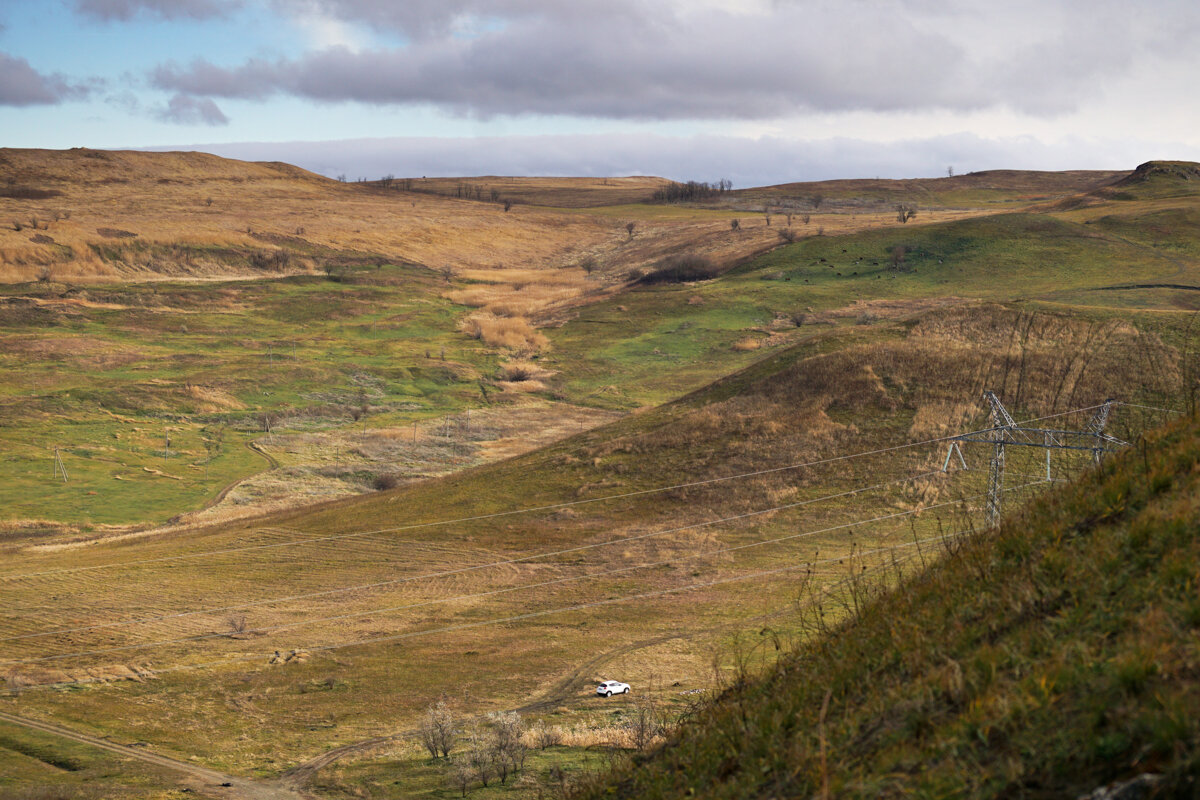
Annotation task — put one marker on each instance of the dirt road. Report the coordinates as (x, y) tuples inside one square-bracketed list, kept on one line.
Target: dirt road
[(205, 782)]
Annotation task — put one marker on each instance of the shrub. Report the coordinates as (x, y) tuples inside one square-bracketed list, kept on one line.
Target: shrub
[(385, 481), (681, 269), (511, 332)]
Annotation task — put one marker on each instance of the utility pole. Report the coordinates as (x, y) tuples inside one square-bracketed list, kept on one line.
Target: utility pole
[(1005, 432), (58, 466)]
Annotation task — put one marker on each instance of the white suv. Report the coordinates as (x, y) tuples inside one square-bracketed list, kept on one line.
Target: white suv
[(609, 688)]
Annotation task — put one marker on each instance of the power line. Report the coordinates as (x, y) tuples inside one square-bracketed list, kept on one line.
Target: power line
[(558, 581), (532, 614), (1150, 408), (529, 510), (446, 573)]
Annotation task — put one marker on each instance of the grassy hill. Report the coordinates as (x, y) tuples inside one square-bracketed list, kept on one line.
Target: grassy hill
[(998, 189), (1045, 659), (644, 555)]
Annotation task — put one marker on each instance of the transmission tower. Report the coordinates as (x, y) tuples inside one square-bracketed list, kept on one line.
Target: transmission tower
[(1005, 432)]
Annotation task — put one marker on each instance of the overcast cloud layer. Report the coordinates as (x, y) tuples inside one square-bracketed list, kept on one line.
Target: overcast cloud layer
[(664, 61), (755, 90)]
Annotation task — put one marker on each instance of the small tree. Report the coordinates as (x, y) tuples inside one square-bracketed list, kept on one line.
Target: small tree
[(507, 749), (589, 265), (646, 725), (479, 758), (629, 228), (816, 201), (735, 225), (508, 205), (545, 736), (461, 776), (436, 730), (904, 212)]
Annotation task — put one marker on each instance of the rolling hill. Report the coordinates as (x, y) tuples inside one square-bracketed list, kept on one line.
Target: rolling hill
[(500, 475)]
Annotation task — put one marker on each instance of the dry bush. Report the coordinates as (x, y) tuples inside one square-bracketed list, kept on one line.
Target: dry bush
[(748, 343), (543, 736), (512, 332), (599, 736), (513, 300), (517, 371), (387, 480)]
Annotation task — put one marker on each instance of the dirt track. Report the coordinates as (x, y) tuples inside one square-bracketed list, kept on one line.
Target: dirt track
[(207, 782)]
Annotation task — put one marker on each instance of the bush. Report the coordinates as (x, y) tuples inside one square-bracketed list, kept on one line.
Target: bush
[(511, 332), (385, 481), (681, 269)]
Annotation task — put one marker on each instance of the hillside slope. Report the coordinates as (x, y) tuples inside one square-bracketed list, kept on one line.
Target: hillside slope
[(1052, 657)]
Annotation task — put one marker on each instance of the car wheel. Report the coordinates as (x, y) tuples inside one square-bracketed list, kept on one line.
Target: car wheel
[(608, 694), (626, 690)]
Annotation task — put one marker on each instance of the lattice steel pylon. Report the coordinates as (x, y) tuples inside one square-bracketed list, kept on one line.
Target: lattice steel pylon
[(1005, 432)]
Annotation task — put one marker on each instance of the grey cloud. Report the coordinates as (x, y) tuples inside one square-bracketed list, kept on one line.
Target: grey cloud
[(746, 161), (187, 110), (122, 10), (626, 60), (22, 85), (427, 18)]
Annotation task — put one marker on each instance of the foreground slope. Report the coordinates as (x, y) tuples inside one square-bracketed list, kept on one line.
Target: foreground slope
[(1045, 659)]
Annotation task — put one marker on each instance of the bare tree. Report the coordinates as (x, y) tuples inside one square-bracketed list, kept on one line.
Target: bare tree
[(479, 758), (507, 749), (508, 204), (462, 775), (629, 228), (545, 736), (646, 725), (816, 201), (437, 730), (735, 225), (905, 212)]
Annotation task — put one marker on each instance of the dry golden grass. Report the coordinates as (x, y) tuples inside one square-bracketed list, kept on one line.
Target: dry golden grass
[(164, 199), (746, 344), (512, 333)]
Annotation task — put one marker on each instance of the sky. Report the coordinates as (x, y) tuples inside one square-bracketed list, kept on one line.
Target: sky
[(755, 91)]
